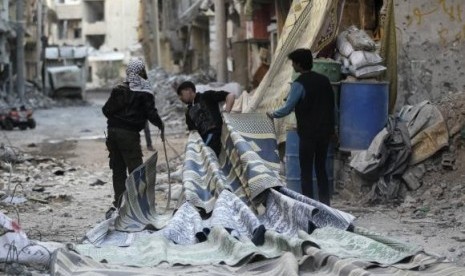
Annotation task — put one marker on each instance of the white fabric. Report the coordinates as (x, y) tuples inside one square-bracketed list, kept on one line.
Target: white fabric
[(136, 82), (16, 247)]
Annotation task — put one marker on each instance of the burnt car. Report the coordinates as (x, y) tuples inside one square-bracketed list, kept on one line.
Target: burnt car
[(17, 117)]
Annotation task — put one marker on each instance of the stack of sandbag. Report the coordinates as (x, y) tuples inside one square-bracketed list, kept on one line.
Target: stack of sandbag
[(357, 54)]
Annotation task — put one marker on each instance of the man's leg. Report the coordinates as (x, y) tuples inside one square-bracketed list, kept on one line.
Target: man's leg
[(131, 150), (117, 165), (306, 155), (320, 170), (214, 142)]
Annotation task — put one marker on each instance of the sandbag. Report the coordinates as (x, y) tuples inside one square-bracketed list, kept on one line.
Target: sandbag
[(343, 45), (360, 59), (367, 71), (360, 40)]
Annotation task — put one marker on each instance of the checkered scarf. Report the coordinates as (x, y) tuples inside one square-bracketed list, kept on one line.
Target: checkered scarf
[(136, 82)]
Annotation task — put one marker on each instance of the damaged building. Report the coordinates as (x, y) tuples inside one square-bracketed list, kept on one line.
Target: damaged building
[(98, 25), (29, 41)]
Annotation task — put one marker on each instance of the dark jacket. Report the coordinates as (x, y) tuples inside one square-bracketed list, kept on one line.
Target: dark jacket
[(130, 110), (205, 115), (315, 112)]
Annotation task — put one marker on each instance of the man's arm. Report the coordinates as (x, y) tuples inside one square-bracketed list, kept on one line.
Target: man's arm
[(114, 102), (190, 124), (222, 96), (293, 98), (152, 112), (229, 102)]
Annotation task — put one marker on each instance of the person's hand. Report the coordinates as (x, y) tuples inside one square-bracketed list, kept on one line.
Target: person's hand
[(162, 132), (270, 115)]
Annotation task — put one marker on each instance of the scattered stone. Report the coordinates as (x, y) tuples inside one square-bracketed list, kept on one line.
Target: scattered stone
[(60, 198), (8, 154), (32, 145), (451, 249), (457, 188), (448, 161), (459, 239), (59, 172), (38, 189), (66, 215), (98, 182), (38, 200)]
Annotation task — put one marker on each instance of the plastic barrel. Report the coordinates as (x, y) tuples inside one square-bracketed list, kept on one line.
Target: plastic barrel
[(336, 89), (293, 164), (363, 113)]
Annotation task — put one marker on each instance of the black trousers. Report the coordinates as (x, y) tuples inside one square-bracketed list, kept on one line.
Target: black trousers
[(125, 155), (313, 151), (213, 140), (148, 139)]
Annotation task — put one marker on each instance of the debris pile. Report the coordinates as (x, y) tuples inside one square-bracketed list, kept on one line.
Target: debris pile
[(38, 179), (434, 171), (34, 96)]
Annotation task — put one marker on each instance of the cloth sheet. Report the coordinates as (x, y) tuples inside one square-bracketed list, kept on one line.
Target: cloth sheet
[(237, 217), (309, 24)]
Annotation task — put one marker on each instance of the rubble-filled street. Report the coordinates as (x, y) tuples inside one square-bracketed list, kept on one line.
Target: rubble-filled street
[(232, 137), (60, 170)]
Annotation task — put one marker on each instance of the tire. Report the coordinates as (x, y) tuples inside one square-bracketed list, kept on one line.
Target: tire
[(8, 124), (22, 126), (31, 123)]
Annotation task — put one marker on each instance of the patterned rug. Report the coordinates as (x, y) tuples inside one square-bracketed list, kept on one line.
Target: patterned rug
[(237, 218), (310, 24)]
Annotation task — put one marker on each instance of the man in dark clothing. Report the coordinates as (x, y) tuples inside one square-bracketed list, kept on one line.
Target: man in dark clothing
[(312, 98), (203, 112), (128, 108)]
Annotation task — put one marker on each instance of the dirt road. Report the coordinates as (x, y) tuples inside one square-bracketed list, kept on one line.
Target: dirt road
[(74, 189)]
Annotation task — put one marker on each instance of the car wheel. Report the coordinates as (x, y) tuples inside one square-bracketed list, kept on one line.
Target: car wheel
[(8, 124), (32, 123)]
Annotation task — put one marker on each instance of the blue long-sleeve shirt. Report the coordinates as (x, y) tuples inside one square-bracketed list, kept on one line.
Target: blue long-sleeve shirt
[(297, 92)]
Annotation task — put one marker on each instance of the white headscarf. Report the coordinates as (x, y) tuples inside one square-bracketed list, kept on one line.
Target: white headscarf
[(136, 82)]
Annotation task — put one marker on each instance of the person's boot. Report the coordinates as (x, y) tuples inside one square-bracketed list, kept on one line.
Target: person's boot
[(110, 212)]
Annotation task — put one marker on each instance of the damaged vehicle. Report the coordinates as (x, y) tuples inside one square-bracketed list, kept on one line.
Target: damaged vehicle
[(65, 71), (17, 117)]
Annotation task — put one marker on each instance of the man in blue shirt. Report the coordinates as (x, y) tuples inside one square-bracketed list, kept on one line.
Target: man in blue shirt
[(312, 98)]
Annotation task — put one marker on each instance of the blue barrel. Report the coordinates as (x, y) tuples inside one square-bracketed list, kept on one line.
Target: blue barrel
[(293, 164), (363, 113)]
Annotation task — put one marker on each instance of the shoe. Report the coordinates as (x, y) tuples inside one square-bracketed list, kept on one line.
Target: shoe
[(110, 212)]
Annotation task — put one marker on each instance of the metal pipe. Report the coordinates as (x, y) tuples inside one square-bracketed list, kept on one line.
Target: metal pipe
[(220, 23)]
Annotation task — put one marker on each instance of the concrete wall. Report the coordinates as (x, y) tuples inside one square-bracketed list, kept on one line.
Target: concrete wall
[(431, 49), (121, 18)]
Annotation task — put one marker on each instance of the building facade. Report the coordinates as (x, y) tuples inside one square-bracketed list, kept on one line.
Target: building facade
[(109, 28)]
